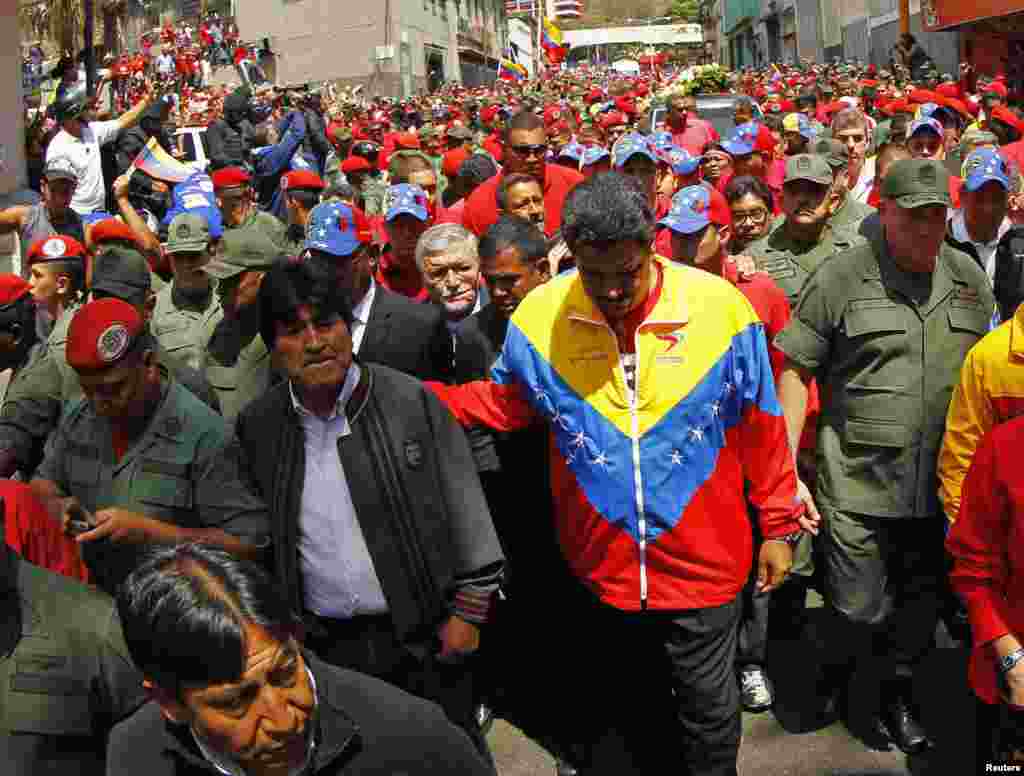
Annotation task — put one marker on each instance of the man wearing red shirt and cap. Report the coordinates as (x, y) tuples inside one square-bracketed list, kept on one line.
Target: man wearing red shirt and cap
[(525, 152), (301, 192), (407, 218)]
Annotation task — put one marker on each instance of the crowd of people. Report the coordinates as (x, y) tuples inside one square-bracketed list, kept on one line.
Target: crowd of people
[(511, 398)]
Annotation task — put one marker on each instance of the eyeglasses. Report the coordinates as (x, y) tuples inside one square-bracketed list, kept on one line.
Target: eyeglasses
[(755, 217), (527, 151)]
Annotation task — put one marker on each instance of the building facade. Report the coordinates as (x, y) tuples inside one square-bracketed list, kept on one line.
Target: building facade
[(394, 48)]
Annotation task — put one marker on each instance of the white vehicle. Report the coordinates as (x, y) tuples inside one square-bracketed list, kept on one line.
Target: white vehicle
[(192, 142)]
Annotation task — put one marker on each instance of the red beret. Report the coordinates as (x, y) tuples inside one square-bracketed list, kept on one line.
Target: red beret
[(948, 89), (112, 229), (355, 164), (921, 96), (12, 288), (230, 178), (101, 333), (487, 114), (787, 106), (996, 87), (301, 179), (613, 119), (452, 161), (626, 105), (1007, 116), (56, 248), (407, 140)]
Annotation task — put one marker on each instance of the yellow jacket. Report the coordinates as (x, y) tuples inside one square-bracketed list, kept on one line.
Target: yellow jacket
[(990, 392)]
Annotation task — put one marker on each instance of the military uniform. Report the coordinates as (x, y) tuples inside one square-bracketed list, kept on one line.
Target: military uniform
[(69, 677), (850, 215), (790, 263), (374, 193), (267, 225), (182, 470), (886, 346)]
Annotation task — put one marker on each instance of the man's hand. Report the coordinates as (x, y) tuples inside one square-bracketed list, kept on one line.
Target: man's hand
[(773, 565), (120, 187), (1014, 694), (458, 639), (248, 290), (120, 525), (810, 520), (746, 266)]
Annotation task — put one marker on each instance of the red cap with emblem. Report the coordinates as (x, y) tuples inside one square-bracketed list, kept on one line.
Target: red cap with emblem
[(55, 248), (302, 179), (12, 288), (355, 164), (102, 333), (230, 178), (112, 230)]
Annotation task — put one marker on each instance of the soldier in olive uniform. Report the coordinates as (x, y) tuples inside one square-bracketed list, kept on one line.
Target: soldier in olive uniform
[(237, 202), (849, 213), (65, 674), (884, 327), (301, 190), (237, 362), (803, 239), (187, 307), (142, 459)]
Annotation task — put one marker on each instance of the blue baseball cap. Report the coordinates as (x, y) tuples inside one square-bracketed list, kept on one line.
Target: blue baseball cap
[(630, 145), (922, 124), (691, 210), (337, 229), (983, 165), (742, 141), (681, 161), (407, 198), (594, 154), (662, 141), (571, 151)]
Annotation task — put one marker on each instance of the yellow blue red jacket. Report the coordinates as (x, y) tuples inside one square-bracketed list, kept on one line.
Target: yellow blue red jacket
[(650, 486), (990, 392)]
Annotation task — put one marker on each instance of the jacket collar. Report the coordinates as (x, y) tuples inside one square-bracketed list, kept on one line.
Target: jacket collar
[(336, 731), (356, 401), (670, 308)]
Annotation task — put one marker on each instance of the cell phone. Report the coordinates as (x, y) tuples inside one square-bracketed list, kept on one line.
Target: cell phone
[(81, 520)]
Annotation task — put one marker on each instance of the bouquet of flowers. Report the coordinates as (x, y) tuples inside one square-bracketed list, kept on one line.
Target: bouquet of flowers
[(705, 79)]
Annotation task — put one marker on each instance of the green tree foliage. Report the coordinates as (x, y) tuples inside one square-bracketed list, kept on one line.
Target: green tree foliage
[(686, 10)]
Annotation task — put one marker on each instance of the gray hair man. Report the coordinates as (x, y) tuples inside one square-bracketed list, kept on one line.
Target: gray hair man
[(447, 258)]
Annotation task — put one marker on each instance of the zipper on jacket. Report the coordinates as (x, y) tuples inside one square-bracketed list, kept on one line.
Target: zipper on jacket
[(638, 486)]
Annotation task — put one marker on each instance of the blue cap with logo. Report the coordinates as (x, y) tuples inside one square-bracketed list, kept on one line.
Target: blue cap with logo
[(594, 154), (983, 165), (630, 145), (690, 212), (662, 141), (337, 229), (407, 198), (742, 141), (571, 151), (681, 161), (924, 125)]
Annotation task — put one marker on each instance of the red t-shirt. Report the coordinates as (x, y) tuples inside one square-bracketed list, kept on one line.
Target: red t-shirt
[(482, 204), (390, 276)]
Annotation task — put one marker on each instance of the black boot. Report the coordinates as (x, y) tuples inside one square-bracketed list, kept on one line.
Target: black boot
[(906, 732)]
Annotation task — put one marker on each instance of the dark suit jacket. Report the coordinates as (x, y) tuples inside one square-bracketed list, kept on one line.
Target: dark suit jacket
[(407, 336)]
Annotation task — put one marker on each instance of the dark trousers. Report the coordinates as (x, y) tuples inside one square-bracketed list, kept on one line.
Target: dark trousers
[(884, 586), (752, 640), (369, 645), (657, 691)]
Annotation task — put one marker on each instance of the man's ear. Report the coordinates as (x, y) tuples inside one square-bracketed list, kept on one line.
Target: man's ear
[(149, 305), (544, 268), (172, 709)]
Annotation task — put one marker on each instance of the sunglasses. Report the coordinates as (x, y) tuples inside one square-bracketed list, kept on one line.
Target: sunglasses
[(530, 150)]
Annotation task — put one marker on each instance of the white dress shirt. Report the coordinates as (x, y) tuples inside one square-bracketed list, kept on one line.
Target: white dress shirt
[(986, 251), (861, 190), (338, 577), (83, 154), (361, 316)]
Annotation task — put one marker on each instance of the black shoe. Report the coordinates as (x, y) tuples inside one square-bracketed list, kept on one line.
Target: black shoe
[(906, 732)]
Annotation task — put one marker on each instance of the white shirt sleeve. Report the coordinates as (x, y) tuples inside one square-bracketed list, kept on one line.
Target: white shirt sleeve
[(104, 131)]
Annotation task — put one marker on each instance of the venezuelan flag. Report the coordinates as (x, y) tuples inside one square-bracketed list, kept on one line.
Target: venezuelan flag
[(511, 71), (157, 163)]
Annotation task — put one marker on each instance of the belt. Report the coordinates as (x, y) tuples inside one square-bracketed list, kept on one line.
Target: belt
[(350, 627)]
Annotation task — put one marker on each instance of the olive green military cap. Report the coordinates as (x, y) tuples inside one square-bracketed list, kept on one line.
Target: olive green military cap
[(916, 183), (832, 151), (244, 250), (188, 232), (460, 132), (808, 167)]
